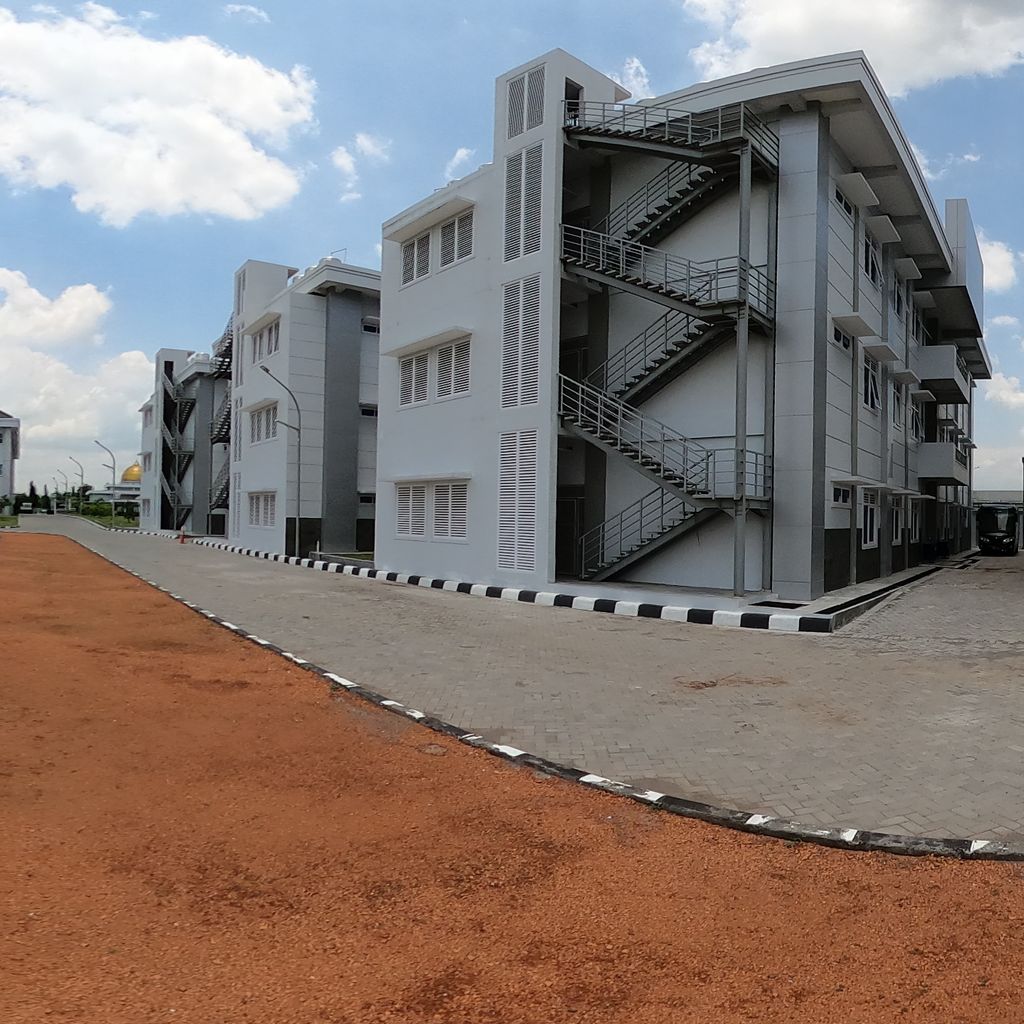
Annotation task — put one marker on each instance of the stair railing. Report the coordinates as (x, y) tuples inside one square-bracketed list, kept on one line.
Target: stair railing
[(681, 461)]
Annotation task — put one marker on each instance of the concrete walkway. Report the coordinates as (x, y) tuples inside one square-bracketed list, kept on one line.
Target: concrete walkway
[(875, 728)]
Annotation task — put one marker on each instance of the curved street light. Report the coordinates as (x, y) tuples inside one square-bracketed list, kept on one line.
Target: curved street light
[(113, 480), (81, 481)]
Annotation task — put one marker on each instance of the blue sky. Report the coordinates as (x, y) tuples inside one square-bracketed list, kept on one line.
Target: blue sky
[(139, 168)]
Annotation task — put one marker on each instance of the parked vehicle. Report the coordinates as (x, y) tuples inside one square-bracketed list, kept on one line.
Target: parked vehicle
[(998, 530)]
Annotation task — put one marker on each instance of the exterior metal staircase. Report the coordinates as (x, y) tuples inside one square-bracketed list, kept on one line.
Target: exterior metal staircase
[(220, 361), (707, 137), (221, 488), (177, 458), (710, 290), (640, 529), (665, 202), (220, 431), (656, 356)]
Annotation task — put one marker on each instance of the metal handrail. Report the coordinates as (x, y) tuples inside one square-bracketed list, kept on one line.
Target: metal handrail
[(676, 178), (683, 462), (754, 468), (674, 125), (221, 486), (639, 523), (703, 282), (226, 337), (639, 354), (175, 442)]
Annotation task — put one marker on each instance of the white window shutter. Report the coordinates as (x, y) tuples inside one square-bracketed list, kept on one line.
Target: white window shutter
[(517, 500), (511, 318), (465, 235), (513, 206), (420, 368), (408, 262), (418, 511), (459, 510), (442, 510), (532, 199), (535, 98), (403, 510), (448, 243), (445, 370), (516, 106), (460, 374), (405, 387), (529, 349), (423, 255)]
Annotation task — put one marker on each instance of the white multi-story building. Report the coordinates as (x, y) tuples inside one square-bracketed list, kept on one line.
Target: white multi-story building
[(565, 333), (316, 334), (184, 447), (10, 450)]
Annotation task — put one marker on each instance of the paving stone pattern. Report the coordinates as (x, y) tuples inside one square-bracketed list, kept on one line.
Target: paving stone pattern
[(910, 721)]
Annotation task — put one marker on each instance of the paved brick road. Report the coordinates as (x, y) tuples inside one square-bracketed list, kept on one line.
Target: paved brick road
[(907, 722)]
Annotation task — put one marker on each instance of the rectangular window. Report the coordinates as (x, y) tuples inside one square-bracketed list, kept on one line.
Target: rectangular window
[(898, 296), (841, 496), (517, 500), (869, 519), (872, 261), (898, 405), (451, 510), (368, 410), (842, 339), (371, 325), (412, 387), (452, 374), (263, 424), (870, 394), (915, 522), (896, 516), (147, 462), (416, 259), (411, 510), (520, 343), (523, 196), (262, 508), (457, 239), (844, 204), (147, 418), (916, 422)]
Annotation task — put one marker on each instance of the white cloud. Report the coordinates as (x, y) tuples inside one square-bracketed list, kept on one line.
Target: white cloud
[(1000, 264), (936, 170), (459, 159), (1004, 321), (62, 409), (26, 315), (912, 43), (997, 468), (346, 163), (247, 12), (1004, 390), (131, 124), (635, 78), (373, 147)]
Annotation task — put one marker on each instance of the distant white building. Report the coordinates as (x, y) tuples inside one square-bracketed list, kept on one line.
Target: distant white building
[(10, 450), (128, 489), (317, 333), (566, 330)]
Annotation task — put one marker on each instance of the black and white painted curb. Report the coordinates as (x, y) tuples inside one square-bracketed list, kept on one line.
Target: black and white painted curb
[(777, 621), (851, 839), (166, 534)]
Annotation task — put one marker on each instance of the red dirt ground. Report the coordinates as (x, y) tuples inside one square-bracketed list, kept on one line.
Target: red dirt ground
[(196, 831)]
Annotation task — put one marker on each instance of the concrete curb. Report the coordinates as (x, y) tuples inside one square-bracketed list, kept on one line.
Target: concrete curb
[(776, 621), (851, 839)]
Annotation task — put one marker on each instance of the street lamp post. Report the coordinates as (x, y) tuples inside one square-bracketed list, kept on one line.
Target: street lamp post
[(56, 490), (67, 485), (298, 454), (81, 481), (113, 480)]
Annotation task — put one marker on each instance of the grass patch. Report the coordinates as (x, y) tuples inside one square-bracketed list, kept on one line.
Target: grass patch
[(8, 520), (120, 521)]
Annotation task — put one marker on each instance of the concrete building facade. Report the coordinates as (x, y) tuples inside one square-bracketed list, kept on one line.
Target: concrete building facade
[(316, 332), (10, 452), (720, 339)]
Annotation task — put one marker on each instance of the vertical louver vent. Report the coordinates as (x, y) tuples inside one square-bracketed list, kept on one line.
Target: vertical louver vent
[(526, 102), (523, 194), (411, 510), (413, 379), (520, 343), (517, 500)]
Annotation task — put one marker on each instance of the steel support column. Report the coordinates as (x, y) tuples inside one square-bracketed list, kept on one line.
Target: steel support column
[(742, 343)]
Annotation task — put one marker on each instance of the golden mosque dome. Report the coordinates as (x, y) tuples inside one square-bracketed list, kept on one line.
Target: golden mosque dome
[(132, 475)]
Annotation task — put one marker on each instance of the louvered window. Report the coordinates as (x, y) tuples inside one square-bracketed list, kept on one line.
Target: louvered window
[(457, 239), (516, 106), (517, 500), (520, 343), (412, 387), (411, 510), (513, 206), (416, 259), (535, 98), (452, 374), (262, 508), (523, 208), (451, 510)]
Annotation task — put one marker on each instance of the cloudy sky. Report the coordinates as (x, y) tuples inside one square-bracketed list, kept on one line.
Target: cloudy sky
[(146, 152)]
